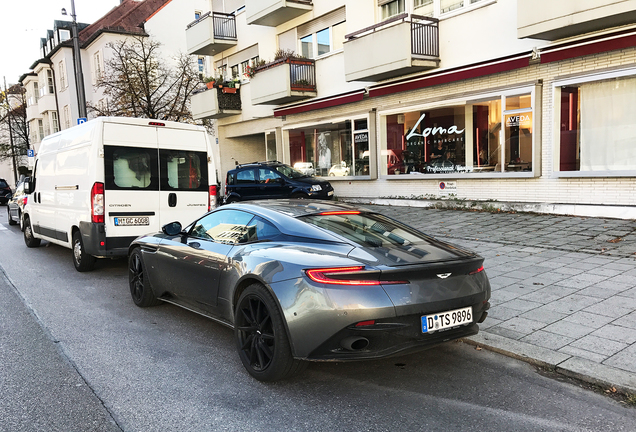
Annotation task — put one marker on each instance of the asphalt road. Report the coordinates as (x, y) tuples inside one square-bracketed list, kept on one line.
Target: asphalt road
[(77, 355)]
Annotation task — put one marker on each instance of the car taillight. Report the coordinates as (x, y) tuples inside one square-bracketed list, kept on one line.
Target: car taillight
[(212, 198), (325, 276), (97, 203), (340, 212), (477, 271)]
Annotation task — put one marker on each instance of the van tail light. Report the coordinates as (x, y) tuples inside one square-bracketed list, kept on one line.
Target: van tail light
[(480, 269), (97, 203), (212, 198), (355, 276), (24, 201)]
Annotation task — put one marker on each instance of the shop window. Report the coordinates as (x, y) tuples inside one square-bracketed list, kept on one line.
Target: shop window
[(597, 130), (338, 149), (492, 135)]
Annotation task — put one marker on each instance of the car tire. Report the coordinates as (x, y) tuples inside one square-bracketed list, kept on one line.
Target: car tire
[(10, 219), (261, 339), (298, 195), (29, 240), (140, 288), (332, 175), (231, 200), (83, 261)]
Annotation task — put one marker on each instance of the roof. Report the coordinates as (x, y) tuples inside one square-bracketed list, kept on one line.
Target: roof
[(127, 18)]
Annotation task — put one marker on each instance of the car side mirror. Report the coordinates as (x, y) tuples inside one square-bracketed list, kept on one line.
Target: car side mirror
[(172, 229), (28, 185)]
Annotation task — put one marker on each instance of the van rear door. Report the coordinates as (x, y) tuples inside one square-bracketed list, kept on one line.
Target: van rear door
[(183, 170), (131, 174)]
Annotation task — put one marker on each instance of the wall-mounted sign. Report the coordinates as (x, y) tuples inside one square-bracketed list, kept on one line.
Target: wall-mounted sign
[(447, 188)]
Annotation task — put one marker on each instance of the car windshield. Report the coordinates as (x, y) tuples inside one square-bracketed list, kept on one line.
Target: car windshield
[(367, 229), (289, 172)]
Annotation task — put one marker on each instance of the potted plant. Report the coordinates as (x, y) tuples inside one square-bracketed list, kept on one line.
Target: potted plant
[(209, 82)]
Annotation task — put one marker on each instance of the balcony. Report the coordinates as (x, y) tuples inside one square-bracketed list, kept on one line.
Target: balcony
[(283, 81), (392, 48), (212, 33), (552, 20), (214, 104), (275, 12), (47, 103)]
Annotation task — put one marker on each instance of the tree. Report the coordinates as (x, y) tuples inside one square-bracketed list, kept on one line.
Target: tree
[(139, 83), (14, 129)]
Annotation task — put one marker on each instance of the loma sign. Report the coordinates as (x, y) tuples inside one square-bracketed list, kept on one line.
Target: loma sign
[(432, 131)]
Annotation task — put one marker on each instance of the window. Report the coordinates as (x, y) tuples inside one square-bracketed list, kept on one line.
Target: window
[(55, 125), (62, 73), (49, 81), (235, 71), (245, 176), (197, 15), (319, 36), (339, 149), (97, 68), (307, 46), (186, 170), (225, 226), (130, 168), (488, 135), (36, 93), (67, 117), (392, 8), (596, 127), (266, 175), (41, 129)]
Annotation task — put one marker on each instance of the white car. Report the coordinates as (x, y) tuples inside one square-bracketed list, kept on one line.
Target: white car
[(306, 168), (340, 169)]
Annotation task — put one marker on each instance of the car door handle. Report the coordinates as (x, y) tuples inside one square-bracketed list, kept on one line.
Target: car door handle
[(172, 199)]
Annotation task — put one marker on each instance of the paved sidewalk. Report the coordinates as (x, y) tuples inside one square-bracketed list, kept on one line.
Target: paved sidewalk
[(564, 288)]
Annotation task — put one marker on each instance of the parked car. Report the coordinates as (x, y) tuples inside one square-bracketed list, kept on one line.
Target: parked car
[(312, 280), (266, 180), (5, 191), (16, 204), (339, 169), (120, 178), (306, 168)]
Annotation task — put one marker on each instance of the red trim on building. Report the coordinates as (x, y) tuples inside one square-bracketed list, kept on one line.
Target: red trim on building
[(448, 77), (321, 103), (627, 41)]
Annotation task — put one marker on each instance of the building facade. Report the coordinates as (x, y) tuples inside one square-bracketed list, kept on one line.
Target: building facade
[(519, 101)]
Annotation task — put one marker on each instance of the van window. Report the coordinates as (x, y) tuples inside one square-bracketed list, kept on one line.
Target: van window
[(183, 170), (130, 168)]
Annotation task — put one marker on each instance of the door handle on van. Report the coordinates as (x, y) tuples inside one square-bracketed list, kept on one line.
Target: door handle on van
[(172, 199)]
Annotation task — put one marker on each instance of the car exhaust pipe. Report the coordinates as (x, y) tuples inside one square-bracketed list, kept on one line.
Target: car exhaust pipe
[(483, 317), (354, 343)]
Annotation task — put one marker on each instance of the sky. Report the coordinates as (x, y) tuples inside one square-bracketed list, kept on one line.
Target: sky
[(26, 21)]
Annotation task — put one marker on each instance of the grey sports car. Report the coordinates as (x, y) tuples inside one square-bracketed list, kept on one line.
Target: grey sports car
[(302, 280)]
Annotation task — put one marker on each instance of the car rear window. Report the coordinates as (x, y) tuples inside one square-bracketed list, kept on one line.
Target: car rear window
[(3, 184), (367, 229)]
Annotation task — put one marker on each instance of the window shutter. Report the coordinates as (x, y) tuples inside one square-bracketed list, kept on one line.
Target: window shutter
[(242, 56), (383, 2), (287, 40), (322, 22)]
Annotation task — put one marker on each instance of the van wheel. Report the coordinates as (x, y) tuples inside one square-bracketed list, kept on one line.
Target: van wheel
[(83, 262), (29, 240)]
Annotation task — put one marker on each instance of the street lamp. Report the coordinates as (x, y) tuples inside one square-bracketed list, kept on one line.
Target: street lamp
[(79, 76)]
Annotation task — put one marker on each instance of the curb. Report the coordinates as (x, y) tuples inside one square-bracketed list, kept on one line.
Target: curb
[(565, 364)]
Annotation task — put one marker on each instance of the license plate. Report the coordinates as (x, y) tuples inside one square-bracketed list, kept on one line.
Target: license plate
[(329, 193), (446, 320), (132, 221)]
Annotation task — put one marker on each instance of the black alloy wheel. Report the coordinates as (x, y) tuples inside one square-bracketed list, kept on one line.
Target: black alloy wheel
[(82, 261), (261, 338), (29, 240), (140, 288)]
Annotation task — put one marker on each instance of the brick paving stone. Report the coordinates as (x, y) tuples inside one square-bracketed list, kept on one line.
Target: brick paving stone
[(569, 329), (521, 325), (521, 305), (625, 359), (501, 281), (610, 308), (615, 286), (505, 332), (604, 271), (630, 293), (599, 345), (547, 340), (571, 303), (616, 333), (588, 319), (583, 353), (543, 315), (598, 292), (549, 294), (627, 321)]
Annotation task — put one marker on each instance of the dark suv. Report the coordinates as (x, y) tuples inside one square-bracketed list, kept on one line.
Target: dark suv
[(263, 180), (5, 191)]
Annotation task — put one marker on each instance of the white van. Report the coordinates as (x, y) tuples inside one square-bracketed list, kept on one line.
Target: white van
[(99, 185)]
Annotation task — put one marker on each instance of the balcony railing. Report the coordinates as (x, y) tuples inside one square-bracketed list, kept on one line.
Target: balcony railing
[(215, 103), (283, 81), (398, 46), (275, 12), (212, 33)]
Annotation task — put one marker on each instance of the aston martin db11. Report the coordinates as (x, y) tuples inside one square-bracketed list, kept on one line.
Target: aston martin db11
[(303, 280)]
